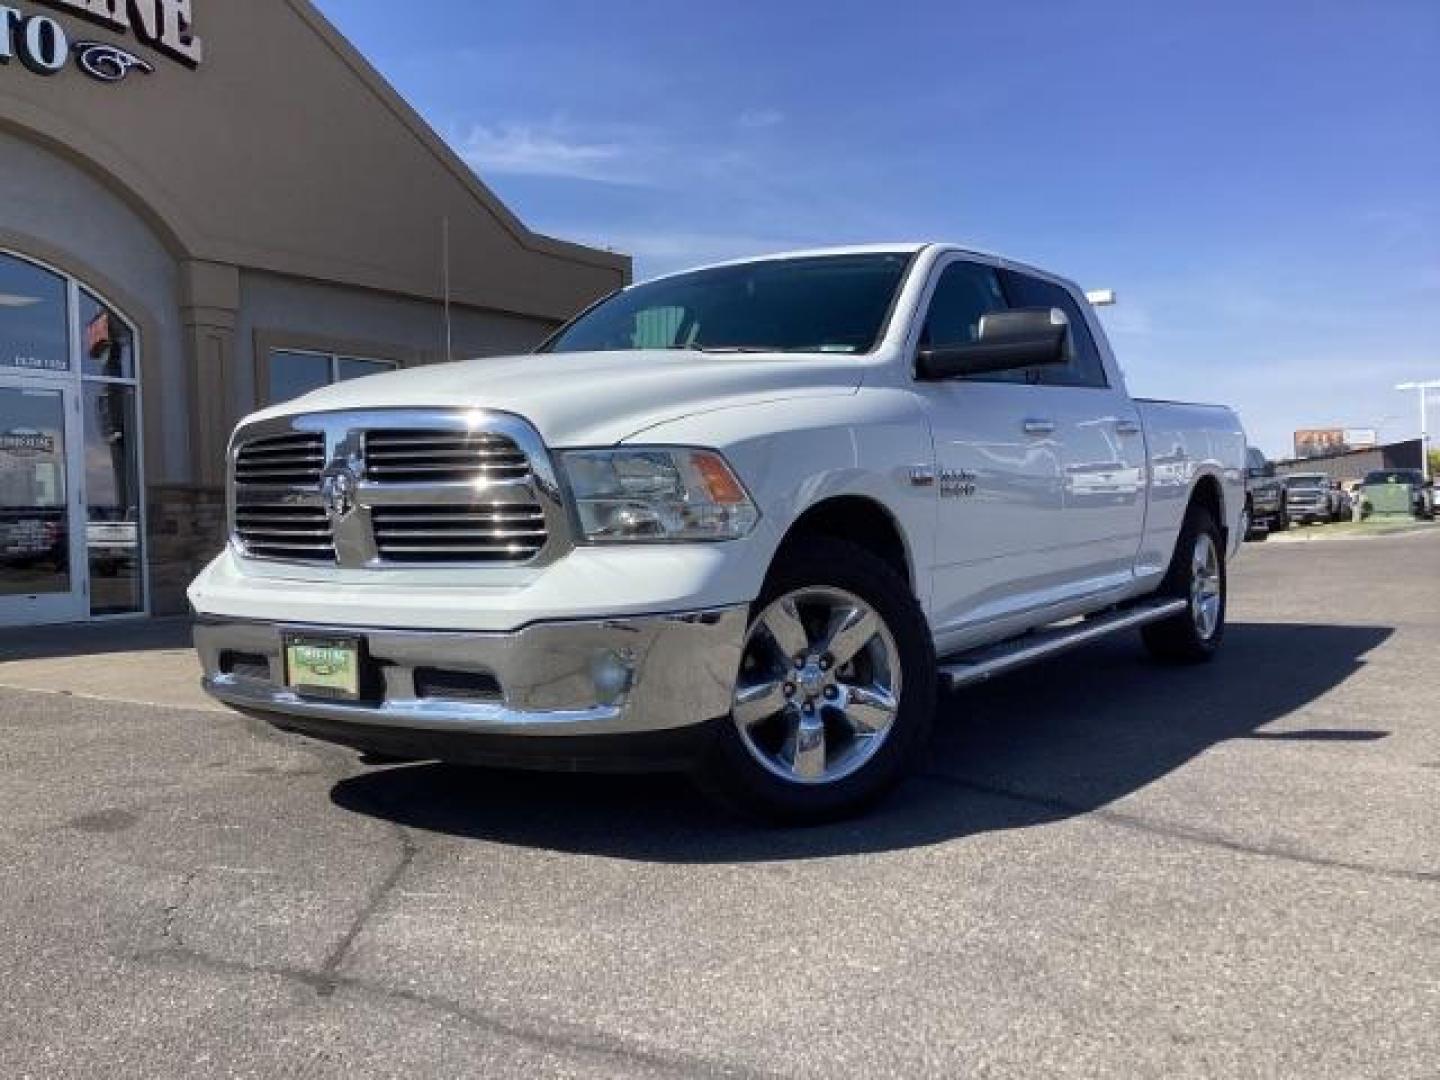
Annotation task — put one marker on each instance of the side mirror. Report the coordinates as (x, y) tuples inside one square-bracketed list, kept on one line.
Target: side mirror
[(1008, 340)]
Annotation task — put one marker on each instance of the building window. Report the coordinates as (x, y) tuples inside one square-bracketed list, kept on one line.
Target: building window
[(71, 488), (292, 372), (34, 318)]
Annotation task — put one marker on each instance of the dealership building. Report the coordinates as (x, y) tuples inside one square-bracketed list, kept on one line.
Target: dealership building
[(1353, 464), (208, 206)]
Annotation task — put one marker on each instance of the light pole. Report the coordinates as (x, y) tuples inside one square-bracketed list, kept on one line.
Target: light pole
[(1420, 388)]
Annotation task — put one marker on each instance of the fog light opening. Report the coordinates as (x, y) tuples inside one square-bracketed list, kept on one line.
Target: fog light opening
[(613, 673)]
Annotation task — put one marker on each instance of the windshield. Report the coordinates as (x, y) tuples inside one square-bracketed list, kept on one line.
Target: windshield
[(825, 303), (1293, 482), (1394, 476)]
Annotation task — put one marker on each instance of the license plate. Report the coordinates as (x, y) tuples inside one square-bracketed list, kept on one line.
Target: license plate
[(323, 666)]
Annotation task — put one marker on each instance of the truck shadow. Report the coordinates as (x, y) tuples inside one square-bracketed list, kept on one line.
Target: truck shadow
[(169, 633), (1050, 742)]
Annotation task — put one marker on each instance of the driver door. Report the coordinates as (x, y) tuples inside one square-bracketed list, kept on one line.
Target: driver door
[(998, 470)]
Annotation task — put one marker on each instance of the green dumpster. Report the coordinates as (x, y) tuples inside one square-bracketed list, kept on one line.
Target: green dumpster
[(1389, 500)]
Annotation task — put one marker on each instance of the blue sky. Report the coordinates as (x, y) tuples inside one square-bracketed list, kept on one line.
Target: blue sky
[(1260, 182)]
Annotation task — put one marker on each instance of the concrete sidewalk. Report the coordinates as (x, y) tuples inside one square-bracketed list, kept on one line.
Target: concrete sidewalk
[(144, 661)]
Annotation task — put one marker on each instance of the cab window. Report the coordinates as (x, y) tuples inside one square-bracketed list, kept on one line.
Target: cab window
[(1083, 366), (965, 293)]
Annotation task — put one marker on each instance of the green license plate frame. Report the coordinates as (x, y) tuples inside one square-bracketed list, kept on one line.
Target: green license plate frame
[(324, 665)]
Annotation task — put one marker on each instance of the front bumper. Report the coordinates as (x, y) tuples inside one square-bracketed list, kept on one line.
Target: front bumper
[(446, 694)]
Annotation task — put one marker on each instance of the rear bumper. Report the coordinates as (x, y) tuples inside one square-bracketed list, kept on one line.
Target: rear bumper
[(495, 696)]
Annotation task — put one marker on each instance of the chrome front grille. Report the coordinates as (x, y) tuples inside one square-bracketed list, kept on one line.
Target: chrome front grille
[(430, 456), (396, 488), (438, 534)]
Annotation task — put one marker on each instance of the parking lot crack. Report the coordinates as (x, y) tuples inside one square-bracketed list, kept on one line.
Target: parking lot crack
[(408, 849), (170, 915), (1062, 808), (548, 1034)]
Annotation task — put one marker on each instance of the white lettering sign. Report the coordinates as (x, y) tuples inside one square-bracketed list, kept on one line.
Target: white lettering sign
[(165, 25), (41, 44)]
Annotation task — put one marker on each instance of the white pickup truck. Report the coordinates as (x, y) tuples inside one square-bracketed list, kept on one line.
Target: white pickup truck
[(746, 521)]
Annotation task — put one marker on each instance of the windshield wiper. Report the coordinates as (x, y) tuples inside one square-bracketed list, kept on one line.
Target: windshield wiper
[(697, 347)]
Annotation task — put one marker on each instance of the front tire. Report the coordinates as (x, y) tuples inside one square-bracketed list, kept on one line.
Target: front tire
[(835, 693), (1196, 575)]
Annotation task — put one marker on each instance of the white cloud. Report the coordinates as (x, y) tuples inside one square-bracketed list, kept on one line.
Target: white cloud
[(755, 119), (1127, 319), (525, 150), (661, 251)]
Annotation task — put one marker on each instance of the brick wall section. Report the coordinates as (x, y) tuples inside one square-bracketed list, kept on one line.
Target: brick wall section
[(186, 531)]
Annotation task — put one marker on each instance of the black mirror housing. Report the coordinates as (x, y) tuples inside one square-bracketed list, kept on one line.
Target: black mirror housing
[(1008, 340)]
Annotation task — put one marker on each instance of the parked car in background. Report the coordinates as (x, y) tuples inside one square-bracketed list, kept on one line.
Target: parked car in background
[(1341, 501), (1421, 491), (112, 545), (1309, 498), (1265, 497)]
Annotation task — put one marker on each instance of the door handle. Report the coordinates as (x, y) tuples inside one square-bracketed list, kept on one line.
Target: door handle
[(1127, 427), (1035, 426)]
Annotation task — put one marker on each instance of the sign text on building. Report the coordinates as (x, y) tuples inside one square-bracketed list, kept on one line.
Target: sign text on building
[(43, 45)]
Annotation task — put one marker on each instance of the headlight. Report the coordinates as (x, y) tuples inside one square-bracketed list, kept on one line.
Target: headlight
[(657, 494)]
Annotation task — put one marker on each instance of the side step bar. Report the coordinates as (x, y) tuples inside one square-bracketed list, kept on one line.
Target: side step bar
[(997, 659)]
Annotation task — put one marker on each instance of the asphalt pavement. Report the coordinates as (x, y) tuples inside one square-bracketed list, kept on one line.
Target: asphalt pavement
[(1107, 867)]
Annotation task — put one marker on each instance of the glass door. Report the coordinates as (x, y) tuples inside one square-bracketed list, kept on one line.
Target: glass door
[(42, 554)]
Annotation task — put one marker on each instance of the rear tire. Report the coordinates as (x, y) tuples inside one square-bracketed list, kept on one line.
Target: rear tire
[(836, 690), (1196, 575)]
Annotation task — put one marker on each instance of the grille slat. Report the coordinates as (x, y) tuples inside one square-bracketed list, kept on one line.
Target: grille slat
[(456, 470), (263, 547), (388, 440), (514, 551), (479, 453), (264, 533), (460, 534), (520, 516)]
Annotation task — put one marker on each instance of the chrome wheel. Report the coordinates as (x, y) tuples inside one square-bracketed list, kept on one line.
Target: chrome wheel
[(1206, 588), (819, 686)]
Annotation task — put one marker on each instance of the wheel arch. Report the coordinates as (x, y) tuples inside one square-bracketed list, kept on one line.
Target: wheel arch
[(1208, 493), (861, 520)]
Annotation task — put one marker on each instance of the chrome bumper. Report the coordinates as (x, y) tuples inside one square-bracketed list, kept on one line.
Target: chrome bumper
[(619, 676)]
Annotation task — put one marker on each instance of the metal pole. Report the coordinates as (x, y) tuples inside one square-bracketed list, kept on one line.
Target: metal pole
[(1424, 436), (1421, 388), (445, 261)]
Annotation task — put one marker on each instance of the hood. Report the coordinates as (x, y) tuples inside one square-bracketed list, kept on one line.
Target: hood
[(593, 399)]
